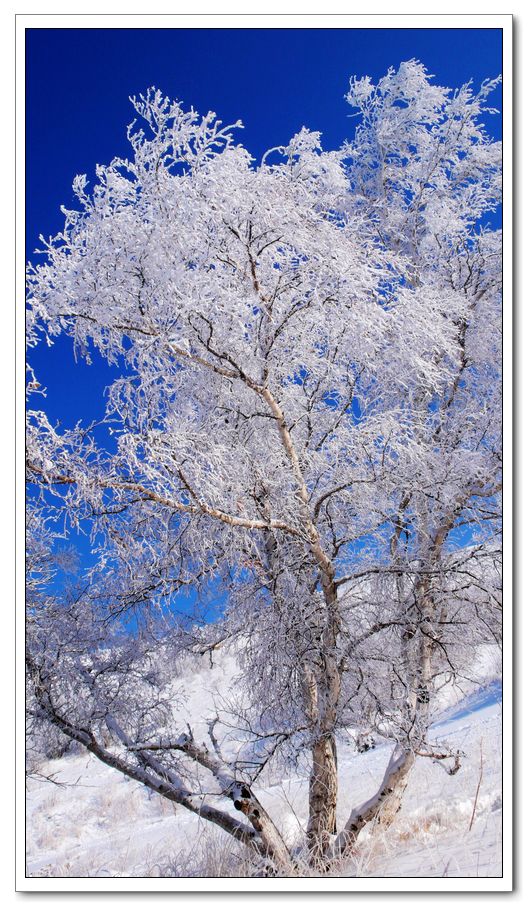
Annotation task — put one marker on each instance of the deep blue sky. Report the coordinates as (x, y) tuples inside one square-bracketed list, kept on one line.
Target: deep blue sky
[(275, 80)]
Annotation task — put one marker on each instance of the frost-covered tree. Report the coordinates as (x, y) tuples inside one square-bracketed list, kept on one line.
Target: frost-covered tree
[(305, 416)]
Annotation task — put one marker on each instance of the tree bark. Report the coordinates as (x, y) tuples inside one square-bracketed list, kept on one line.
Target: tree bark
[(384, 804), (271, 842), (322, 796)]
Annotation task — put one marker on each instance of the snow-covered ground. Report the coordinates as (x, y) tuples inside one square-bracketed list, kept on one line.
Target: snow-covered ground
[(93, 822)]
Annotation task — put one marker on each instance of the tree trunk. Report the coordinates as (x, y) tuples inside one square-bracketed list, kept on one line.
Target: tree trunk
[(270, 843), (384, 804), (393, 797), (322, 796)]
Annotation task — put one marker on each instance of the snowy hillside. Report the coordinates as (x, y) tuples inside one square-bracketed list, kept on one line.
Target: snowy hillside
[(93, 822)]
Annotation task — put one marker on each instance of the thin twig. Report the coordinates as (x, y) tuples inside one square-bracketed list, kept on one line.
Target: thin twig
[(478, 788)]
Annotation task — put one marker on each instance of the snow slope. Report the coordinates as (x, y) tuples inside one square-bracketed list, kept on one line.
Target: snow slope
[(93, 822)]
